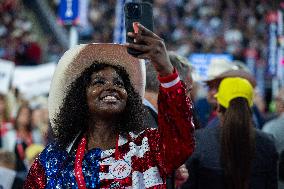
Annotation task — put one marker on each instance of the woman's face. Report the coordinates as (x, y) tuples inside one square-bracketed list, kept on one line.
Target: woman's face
[(24, 117), (106, 94)]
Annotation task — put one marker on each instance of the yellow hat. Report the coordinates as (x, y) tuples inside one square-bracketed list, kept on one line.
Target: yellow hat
[(33, 150), (233, 87)]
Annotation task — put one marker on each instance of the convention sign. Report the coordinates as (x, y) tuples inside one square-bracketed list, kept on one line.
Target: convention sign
[(69, 12), (33, 80), (6, 72), (201, 62)]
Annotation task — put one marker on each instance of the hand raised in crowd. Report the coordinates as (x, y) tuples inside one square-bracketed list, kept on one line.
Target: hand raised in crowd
[(153, 48)]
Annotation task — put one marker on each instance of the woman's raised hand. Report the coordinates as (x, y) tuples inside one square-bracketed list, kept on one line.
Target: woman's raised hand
[(153, 49)]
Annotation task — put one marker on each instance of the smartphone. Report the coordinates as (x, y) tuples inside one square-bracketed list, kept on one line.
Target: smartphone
[(137, 12)]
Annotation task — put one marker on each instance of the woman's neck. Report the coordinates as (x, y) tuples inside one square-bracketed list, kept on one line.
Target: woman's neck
[(101, 134)]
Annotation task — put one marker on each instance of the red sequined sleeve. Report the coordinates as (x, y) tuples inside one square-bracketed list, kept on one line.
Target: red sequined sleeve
[(175, 121), (36, 178)]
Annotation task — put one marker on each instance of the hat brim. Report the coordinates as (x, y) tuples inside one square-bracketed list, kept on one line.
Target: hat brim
[(233, 73), (76, 60), (238, 73)]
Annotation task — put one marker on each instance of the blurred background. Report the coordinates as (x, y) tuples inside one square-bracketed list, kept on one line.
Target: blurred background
[(35, 33)]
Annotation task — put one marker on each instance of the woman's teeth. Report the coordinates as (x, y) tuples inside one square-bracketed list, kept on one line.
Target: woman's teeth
[(109, 98)]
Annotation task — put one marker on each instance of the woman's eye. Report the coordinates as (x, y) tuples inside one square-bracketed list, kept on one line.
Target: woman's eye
[(119, 83), (98, 82)]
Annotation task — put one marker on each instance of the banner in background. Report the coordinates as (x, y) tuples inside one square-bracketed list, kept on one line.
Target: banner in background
[(201, 62), (119, 29), (6, 74), (280, 49), (83, 13), (33, 80), (271, 18)]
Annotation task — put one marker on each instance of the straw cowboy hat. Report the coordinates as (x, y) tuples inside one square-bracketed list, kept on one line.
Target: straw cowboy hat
[(221, 69), (77, 59), (238, 73), (217, 67)]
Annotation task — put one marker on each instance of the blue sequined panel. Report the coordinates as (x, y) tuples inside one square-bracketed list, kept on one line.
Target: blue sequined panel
[(91, 161), (59, 167)]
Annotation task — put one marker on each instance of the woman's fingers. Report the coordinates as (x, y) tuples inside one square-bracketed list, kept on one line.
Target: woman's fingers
[(139, 47), (147, 32), (153, 48), (141, 39)]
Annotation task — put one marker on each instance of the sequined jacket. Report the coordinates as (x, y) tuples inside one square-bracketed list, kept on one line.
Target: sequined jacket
[(152, 154)]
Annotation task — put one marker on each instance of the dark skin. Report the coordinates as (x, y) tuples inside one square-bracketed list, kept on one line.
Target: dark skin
[(106, 114), (106, 97), (153, 50)]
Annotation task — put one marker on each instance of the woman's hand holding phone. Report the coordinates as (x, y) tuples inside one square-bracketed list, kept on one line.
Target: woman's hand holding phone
[(152, 48)]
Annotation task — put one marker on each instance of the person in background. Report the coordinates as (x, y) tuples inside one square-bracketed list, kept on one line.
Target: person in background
[(5, 119), (205, 107), (22, 136), (275, 127), (281, 171), (40, 121), (234, 155), (213, 83), (32, 153), (152, 85), (9, 178)]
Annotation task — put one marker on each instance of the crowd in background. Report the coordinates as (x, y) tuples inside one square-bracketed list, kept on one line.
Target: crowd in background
[(213, 26), (18, 42), (187, 26)]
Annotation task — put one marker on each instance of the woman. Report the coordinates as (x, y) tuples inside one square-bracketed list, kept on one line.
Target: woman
[(234, 155), (21, 137), (95, 108), (5, 119)]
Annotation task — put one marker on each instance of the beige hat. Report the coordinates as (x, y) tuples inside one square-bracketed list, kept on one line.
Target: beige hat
[(77, 59), (219, 66), (238, 73)]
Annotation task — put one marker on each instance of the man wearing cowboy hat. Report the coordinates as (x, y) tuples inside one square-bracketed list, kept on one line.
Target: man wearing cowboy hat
[(217, 71)]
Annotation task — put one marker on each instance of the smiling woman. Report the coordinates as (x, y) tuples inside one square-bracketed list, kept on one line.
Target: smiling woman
[(106, 92), (101, 82), (95, 109)]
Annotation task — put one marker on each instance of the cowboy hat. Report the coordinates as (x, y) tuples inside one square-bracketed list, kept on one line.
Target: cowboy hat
[(238, 73), (217, 67), (77, 59)]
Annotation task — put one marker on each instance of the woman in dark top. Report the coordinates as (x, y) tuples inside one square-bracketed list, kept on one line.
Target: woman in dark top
[(234, 155)]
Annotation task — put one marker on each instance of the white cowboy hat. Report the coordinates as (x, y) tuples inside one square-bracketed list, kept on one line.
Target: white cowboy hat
[(217, 67), (77, 59)]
